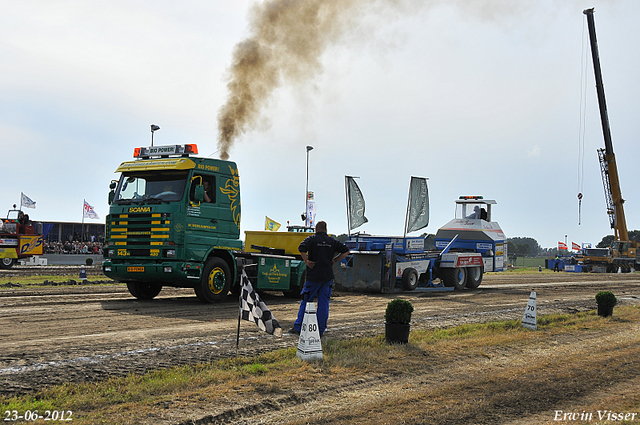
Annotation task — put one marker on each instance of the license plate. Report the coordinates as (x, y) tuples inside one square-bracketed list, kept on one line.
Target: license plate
[(135, 269)]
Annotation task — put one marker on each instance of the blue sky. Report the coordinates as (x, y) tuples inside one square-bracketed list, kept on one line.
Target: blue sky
[(481, 99)]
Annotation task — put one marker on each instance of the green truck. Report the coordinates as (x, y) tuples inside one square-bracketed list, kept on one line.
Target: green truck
[(174, 220)]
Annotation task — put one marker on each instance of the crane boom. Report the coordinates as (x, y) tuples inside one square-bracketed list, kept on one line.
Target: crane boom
[(609, 169)]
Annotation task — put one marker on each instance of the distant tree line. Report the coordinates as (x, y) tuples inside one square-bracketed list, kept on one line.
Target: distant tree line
[(634, 235), (523, 246)]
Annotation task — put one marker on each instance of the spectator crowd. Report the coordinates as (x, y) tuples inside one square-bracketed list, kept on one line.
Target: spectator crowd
[(72, 247)]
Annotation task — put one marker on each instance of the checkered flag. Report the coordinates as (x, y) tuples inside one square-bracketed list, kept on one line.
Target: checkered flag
[(253, 309)]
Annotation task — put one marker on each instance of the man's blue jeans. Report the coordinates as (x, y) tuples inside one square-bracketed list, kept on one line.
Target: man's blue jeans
[(309, 292)]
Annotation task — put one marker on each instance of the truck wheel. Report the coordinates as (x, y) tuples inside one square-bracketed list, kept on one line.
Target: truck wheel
[(474, 277), (6, 263), (410, 279), (455, 277), (216, 281), (143, 291)]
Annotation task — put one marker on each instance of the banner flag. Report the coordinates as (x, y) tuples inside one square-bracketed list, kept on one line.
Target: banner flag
[(26, 202), (88, 211), (270, 224), (311, 214), (575, 246), (253, 309), (355, 204), (562, 245), (418, 208)]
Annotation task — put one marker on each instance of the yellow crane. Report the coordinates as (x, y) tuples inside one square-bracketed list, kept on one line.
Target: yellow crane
[(622, 253)]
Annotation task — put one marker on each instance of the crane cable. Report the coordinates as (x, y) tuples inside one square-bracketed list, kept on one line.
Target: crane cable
[(581, 131)]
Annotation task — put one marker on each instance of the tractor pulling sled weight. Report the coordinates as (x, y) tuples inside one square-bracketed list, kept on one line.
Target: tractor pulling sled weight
[(466, 247)]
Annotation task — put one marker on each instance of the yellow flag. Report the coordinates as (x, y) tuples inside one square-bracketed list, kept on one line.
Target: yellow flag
[(271, 224)]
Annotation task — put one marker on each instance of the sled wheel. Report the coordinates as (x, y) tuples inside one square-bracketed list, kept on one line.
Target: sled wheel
[(474, 277), (455, 278), (410, 279)]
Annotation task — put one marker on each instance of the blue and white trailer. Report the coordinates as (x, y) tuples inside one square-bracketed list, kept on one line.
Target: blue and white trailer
[(466, 248)]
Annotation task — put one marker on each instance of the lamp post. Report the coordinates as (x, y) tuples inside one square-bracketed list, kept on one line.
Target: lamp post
[(306, 193), (154, 128)]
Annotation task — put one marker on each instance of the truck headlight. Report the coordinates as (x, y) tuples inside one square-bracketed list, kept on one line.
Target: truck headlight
[(170, 253)]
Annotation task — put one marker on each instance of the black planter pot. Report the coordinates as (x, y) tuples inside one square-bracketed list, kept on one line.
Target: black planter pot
[(605, 310), (397, 333)]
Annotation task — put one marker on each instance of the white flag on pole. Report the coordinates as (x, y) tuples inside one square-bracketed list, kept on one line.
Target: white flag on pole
[(88, 211), (26, 202)]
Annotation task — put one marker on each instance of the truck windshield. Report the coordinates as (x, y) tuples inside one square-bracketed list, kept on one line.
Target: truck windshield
[(13, 215), (596, 252), (141, 187), (471, 210)]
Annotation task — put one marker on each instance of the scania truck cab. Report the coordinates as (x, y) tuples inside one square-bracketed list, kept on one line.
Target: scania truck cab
[(174, 220)]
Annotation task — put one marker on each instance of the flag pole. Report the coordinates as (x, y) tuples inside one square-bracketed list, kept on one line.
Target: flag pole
[(238, 332), (239, 316), (406, 216), (82, 227), (346, 191)]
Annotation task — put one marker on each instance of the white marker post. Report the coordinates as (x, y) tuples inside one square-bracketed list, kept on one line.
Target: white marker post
[(309, 344), (530, 318)]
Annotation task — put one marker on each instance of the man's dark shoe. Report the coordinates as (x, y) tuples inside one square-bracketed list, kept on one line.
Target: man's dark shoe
[(294, 331)]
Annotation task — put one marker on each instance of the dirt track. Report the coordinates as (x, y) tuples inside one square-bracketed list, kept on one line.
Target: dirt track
[(63, 334), (84, 333)]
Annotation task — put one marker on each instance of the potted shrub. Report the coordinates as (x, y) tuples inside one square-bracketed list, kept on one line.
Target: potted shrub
[(606, 301), (398, 321)]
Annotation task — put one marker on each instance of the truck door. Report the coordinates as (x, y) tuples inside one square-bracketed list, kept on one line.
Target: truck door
[(209, 217)]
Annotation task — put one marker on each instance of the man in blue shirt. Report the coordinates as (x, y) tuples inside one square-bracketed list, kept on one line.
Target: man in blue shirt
[(319, 254)]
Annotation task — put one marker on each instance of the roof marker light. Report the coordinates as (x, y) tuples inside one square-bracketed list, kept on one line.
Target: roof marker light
[(165, 151)]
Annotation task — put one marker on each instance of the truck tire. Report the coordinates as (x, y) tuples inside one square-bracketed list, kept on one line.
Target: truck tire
[(143, 291), (6, 263), (474, 277), (410, 279), (455, 278), (216, 281)]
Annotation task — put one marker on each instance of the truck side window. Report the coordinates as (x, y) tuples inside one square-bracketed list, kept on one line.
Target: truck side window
[(209, 183)]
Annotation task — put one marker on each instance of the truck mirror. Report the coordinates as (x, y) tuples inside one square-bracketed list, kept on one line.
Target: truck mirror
[(199, 193), (112, 192)]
